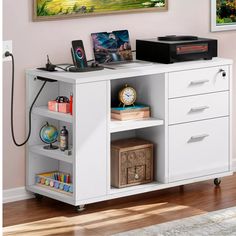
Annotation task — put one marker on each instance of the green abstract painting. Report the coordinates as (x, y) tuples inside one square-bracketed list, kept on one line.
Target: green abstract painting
[(54, 9)]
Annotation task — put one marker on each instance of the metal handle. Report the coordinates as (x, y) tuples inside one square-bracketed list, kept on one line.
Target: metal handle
[(198, 137), (196, 109), (196, 82)]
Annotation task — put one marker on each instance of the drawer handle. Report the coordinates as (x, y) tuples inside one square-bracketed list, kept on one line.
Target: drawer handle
[(197, 109), (197, 82), (197, 138)]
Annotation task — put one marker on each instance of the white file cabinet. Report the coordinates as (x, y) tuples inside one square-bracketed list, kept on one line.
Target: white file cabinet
[(190, 126)]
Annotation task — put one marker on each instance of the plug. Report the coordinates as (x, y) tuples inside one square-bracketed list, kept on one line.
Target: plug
[(7, 54), (49, 66), (7, 50)]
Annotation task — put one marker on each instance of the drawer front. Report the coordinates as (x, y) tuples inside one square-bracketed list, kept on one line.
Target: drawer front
[(136, 166), (198, 107), (200, 81), (198, 149), (136, 174)]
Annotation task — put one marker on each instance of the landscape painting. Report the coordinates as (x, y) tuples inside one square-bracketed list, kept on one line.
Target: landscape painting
[(223, 15), (55, 9)]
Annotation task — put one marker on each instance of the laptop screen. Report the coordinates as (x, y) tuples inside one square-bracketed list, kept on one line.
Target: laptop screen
[(112, 47)]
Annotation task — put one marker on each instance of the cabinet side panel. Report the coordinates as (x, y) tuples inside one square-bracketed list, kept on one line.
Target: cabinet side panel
[(153, 90), (232, 159), (90, 133)]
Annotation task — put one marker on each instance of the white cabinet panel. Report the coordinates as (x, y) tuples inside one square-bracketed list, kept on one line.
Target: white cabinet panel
[(198, 107), (91, 140), (200, 81), (198, 148)]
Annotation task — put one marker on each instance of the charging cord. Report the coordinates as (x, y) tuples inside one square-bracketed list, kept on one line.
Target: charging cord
[(8, 54)]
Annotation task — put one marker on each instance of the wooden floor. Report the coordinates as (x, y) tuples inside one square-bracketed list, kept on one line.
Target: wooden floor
[(49, 217)]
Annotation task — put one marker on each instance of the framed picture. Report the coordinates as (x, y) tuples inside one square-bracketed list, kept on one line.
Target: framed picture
[(59, 9), (223, 15)]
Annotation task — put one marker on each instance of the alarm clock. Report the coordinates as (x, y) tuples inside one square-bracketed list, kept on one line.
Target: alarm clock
[(127, 96)]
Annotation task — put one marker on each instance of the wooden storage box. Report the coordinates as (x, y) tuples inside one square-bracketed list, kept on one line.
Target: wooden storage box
[(131, 162)]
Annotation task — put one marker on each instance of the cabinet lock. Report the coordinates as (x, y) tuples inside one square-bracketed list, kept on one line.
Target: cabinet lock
[(223, 73)]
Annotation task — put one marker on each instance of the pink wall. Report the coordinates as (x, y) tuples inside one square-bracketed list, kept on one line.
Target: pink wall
[(33, 40)]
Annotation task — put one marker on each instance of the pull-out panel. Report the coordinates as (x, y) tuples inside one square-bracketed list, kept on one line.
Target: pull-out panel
[(200, 81), (198, 148), (198, 107)]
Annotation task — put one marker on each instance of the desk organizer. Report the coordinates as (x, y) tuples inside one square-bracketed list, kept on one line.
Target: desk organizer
[(56, 181)]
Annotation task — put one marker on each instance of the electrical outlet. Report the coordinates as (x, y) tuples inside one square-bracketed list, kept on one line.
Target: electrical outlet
[(7, 46)]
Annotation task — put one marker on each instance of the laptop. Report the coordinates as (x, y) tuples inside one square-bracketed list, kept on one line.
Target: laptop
[(113, 50)]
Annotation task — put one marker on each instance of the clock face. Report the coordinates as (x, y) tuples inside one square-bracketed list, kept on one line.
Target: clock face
[(127, 96)]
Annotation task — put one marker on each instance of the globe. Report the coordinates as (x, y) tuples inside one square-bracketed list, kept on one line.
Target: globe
[(49, 134)]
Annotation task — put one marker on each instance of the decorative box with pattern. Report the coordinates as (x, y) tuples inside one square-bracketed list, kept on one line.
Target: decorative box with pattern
[(131, 162)]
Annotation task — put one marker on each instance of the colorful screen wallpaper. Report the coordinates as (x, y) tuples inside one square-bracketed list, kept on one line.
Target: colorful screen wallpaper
[(226, 12), (79, 7), (112, 47)]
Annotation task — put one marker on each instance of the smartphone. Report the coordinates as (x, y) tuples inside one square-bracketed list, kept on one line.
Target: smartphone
[(78, 54)]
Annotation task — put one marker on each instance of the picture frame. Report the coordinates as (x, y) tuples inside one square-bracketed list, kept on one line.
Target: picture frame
[(62, 9), (223, 15)]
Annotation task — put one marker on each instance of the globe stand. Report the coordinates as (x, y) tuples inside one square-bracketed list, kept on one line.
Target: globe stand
[(50, 147)]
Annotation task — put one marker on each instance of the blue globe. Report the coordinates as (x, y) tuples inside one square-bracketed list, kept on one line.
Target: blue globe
[(48, 134)]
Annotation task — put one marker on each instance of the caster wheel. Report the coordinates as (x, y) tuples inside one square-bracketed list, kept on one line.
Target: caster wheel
[(80, 208), (217, 182), (38, 196)]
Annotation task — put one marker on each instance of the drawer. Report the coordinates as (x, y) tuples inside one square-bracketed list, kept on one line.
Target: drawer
[(136, 174), (198, 149), (198, 107), (200, 81)]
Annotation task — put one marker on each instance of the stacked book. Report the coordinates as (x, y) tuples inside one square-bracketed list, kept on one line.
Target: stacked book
[(135, 112)]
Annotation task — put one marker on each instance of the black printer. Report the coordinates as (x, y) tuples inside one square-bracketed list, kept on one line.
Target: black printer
[(170, 49)]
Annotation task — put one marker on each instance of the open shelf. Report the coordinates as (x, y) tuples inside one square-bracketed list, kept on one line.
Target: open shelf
[(52, 194), (43, 111), (56, 154), (117, 125), (136, 189)]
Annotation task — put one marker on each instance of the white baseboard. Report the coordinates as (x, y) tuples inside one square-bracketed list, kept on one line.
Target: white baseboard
[(16, 194), (234, 165)]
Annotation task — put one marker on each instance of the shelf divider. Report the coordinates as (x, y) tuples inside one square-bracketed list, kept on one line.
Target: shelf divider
[(56, 154), (118, 126), (43, 111), (50, 193)]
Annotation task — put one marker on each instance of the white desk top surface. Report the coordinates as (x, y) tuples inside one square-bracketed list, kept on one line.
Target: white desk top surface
[(109, 74)]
